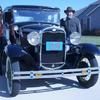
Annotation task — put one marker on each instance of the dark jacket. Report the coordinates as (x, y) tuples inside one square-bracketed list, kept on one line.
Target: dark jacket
[(71, 25)]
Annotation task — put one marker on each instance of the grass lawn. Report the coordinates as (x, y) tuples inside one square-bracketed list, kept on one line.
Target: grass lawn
[(91, 39)]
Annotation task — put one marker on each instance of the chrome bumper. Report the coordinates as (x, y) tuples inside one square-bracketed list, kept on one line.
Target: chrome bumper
[(54, 73)]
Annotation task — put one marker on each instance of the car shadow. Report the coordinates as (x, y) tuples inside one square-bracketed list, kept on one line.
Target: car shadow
[(40, 85)]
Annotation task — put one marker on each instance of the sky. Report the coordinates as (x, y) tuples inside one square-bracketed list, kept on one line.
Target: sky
[(62, 4)]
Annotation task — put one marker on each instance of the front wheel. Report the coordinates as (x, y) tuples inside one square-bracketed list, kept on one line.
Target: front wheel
[(88, 81), (13, 86)]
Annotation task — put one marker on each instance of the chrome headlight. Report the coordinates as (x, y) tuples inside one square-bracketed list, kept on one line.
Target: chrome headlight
[(33, 38), (16, 28), (75, 38)]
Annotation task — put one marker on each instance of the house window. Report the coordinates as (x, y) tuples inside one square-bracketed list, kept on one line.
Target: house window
[(89, 23), (82, 23)]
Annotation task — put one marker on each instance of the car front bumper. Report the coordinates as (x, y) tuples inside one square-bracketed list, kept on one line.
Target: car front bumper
[(54, 73)]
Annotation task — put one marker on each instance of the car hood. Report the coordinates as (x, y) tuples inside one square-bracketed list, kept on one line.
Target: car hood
[(30, 26)]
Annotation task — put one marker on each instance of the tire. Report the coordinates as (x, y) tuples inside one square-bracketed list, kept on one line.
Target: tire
[(89, 80), (13, 86), (1, 60), (0, 64)]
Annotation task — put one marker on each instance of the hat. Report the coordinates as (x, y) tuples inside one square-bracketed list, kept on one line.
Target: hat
[(69, 9)]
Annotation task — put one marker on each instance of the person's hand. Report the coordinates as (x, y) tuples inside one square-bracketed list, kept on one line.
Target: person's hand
[(62, 22)]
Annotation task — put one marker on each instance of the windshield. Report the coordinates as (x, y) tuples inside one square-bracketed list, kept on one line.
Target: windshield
[(46, 16)]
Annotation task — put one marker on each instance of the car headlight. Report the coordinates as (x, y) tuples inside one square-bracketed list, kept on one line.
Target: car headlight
[(75, 38), (33, 38), (16, 28)]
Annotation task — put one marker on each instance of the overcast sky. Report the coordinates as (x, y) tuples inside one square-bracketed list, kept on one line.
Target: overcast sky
[(62, 4)]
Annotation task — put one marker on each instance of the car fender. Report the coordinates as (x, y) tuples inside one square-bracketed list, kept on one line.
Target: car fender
[(87, 48), (14, 51)]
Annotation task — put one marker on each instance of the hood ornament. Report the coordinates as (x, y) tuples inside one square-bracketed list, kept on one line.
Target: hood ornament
[(53, 65), (54, 29)]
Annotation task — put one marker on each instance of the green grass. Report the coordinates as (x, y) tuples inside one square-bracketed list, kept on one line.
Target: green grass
[(91, 39)]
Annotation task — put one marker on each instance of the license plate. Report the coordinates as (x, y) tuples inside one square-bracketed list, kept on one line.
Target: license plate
[(54, 46)]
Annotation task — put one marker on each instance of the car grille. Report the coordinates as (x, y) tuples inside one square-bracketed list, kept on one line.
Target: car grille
[(52, 58)]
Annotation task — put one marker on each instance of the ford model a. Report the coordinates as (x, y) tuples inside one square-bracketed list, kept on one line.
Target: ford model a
[(38, 48)]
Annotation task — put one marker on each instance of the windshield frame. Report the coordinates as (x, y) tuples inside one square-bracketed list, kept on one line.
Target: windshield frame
[(57, 12)]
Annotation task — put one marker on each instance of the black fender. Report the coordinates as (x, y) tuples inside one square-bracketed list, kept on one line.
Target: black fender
[(16, 53), (87, 48)]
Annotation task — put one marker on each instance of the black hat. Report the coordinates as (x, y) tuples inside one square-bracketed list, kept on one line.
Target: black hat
[(69, 9)]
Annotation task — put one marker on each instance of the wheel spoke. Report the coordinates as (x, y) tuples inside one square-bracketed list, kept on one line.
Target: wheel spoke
[(9, 75), (89, 61)]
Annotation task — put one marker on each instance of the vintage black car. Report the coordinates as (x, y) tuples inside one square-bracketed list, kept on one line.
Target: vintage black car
[(38, 48)]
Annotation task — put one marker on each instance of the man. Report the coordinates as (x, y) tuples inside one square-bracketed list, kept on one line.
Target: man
[(70, 23)]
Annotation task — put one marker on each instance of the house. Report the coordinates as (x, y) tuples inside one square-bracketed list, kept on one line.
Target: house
[(90, 18)]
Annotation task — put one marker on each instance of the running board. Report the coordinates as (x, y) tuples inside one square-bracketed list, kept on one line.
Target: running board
[(54, 73)]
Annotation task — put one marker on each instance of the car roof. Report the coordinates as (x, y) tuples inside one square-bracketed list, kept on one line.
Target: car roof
[(31, 7)]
